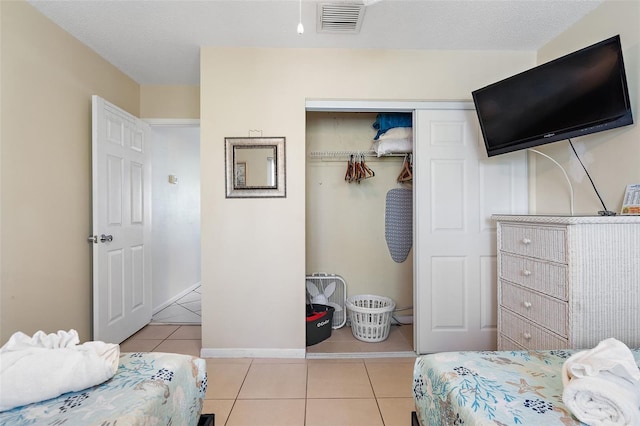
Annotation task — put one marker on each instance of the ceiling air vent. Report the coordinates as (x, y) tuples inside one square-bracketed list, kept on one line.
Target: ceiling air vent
[(345, 18)]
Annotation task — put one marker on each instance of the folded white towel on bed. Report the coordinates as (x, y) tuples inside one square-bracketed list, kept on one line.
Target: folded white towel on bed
[(44, 366), (602, 385)]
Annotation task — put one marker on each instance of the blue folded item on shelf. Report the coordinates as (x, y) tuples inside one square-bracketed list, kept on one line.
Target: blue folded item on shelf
[(389, 120)]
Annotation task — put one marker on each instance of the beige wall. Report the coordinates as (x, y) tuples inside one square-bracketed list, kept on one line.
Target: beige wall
[(47, 79), (612, 157), (181, 102), (262, 306)]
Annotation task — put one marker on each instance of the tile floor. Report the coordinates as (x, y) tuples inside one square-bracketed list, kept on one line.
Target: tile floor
[(186, 310), (343, 343), (297, 392)]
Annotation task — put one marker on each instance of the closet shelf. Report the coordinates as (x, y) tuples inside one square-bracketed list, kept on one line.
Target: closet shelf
[(344, 155)]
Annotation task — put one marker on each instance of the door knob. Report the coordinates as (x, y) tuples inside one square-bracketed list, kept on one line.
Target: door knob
[(92, 239), (106, 238)]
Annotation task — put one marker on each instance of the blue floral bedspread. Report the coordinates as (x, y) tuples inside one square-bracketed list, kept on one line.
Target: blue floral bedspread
[(148, 389), (492, 388)]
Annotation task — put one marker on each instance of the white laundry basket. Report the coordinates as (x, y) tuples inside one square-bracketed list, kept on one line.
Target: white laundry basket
[(370, 316)]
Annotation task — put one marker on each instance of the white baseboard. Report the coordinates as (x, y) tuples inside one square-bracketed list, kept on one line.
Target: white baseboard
[(252, 353), (347, 355), (175, 298), (297, 353)]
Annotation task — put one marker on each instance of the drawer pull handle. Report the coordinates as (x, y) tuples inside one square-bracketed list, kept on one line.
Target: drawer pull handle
[(526, 272), (527, 336), (527, 305), (526, 241)]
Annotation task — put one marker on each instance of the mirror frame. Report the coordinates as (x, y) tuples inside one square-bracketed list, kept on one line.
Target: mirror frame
[(231, 143)]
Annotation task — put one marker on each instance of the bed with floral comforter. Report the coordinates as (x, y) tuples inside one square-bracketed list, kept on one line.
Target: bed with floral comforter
[(492, 388), (148, 389)]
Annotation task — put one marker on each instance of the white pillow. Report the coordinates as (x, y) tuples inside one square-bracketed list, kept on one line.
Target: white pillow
[(397, 133), (392, 146)]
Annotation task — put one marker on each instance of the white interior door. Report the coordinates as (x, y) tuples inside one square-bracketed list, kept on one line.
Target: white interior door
[(121, 223), (457, 190)]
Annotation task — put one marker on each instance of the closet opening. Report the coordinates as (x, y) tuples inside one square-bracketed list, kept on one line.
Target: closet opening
[(351, 213)]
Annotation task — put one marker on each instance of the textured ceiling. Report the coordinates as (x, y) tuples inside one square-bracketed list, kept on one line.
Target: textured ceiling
[(158, 41)]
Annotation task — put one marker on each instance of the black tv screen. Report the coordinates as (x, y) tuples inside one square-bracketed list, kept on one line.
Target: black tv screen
[(577, 94)]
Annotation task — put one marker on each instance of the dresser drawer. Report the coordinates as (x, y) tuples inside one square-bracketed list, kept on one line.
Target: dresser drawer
[(541, 242), (542, 276), (527, 334), (505, 344), (544, 310)]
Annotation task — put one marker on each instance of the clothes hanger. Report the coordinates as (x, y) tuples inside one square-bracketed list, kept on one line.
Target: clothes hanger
[(406, 174), (360, 174), (348, 176), (365, 172), (357, 169), (369, 173)]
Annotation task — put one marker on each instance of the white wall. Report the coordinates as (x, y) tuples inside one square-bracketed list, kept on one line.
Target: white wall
[(611, 157), (175, 212)]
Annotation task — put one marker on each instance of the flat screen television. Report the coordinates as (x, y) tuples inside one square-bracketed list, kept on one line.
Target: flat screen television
[(577, 94)]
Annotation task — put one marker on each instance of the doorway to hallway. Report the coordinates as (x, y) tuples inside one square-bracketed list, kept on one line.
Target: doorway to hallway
[(175, 229)]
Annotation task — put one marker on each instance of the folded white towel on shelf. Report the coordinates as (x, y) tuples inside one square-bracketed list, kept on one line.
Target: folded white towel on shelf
[(43, 366), (602, 385)]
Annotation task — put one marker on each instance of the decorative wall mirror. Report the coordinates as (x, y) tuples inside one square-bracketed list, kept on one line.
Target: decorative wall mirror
[(255, 167)]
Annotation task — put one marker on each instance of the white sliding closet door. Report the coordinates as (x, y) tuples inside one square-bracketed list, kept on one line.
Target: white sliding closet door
[(457, 189)]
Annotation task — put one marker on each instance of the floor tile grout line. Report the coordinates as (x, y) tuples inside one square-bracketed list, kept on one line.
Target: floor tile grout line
[(197, 294), (230, 411), (373, 390), (337, 398), (276, 399), (157, 346), (173, 332), (170, 319), (193, 312), (306, 394), (235, 400)]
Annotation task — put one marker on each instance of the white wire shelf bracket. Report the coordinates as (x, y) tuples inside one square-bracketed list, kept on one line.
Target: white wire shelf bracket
[(345, 155)]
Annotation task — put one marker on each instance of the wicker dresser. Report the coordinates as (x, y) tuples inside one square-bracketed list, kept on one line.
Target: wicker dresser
[(567, 282)]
